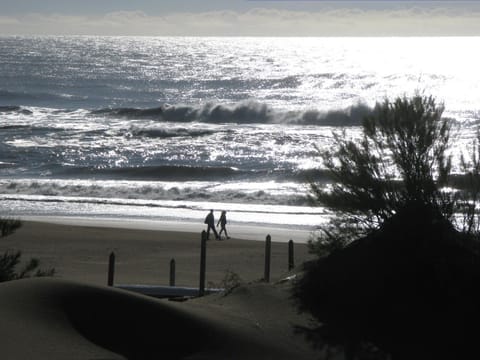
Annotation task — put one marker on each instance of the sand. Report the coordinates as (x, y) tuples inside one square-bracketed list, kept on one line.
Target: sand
[(75, 316), (81, 253)]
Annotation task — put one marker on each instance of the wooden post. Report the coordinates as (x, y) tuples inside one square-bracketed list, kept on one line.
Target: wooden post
[(172, 272), (268, 254), (291, 260), (203, 263), (111, 269)]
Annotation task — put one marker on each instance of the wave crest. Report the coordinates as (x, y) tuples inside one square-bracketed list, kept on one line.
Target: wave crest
[(250, 112), (145, 193), (163, 133), (15, 109), (161, 172)]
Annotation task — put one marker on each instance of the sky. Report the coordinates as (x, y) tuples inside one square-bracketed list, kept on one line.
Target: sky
[(240, 18)]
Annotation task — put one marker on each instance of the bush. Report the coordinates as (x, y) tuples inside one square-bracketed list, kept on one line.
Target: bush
[(409, 289), (8, 226), (398, 270), (230, 282), (8, 267), (10, 260), (401, 158)]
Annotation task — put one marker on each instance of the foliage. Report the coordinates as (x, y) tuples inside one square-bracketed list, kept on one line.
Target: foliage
[(404, 288), (8, 226), (333, 236), (468, 197), (400, 158), (10, 260), (403, 242), (230, 281)]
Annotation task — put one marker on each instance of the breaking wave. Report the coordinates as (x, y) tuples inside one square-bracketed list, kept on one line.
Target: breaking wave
[(162, 172), (194, 173), (148, 193), (14, 109), (169, 133), (242, 113)]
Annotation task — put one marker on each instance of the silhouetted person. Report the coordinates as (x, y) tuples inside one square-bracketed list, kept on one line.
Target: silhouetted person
[(223, 221), (210, 221)]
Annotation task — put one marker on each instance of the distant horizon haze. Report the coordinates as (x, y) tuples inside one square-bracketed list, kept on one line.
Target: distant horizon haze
[(241, 18)]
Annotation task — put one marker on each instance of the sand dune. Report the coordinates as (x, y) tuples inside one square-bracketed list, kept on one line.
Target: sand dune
[(75, 316), (58, 319)]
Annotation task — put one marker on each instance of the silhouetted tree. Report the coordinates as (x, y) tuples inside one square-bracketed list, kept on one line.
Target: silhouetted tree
[(467, 197), (402, 268), (400, 158)]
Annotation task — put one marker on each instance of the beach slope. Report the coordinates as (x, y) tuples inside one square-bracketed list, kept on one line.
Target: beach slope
[(58, 319)]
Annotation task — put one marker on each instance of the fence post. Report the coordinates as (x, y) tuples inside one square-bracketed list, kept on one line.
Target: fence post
[(268, 254), (111, 269), (291, 261), (172, 272), (203, 262)]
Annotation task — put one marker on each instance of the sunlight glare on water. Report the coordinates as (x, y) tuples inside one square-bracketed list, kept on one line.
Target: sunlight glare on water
[(228, 121)]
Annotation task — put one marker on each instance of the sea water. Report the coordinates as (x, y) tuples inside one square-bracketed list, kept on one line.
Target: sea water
[(166, 128)]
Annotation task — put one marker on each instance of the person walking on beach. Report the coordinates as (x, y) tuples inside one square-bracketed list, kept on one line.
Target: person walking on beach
[(210, 221), (223, 221)]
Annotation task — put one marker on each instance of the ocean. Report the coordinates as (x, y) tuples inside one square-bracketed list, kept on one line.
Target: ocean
[(166, 128)]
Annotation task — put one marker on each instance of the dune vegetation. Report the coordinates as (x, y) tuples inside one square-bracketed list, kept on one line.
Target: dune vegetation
[(11, 266), (399, 262)]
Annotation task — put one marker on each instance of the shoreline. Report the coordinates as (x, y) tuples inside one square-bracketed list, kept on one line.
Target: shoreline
[(239, 231)]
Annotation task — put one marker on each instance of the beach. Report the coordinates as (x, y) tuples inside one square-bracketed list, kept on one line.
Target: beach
[(81, 253), (122, 145), (75, 316)]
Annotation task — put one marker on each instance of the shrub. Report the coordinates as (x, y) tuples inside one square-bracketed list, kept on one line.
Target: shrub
[(401, 268), (10, 260), (400, 158)]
